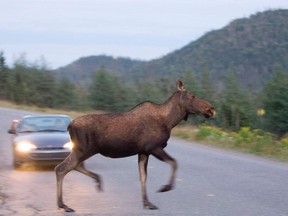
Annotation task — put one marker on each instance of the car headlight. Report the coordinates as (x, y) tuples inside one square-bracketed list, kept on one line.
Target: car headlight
[(25, 147), (68, 145)]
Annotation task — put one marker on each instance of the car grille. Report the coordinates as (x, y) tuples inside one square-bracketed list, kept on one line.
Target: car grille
[(51, 148), (49, 154)]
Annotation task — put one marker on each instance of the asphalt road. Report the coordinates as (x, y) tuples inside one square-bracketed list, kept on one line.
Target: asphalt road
[(210, 182)]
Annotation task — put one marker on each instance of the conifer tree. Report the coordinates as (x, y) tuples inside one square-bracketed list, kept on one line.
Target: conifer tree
[(4, 78), (236, 109), (107, 93), (275, 103)]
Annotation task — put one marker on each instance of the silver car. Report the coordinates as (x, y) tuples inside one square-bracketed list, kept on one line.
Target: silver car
[(42, 139)]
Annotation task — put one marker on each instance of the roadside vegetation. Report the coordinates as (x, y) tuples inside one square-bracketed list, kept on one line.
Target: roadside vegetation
[(247, 140), (255, 122), (44, 110)]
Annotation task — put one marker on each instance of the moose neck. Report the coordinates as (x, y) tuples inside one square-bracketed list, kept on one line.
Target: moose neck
[(173, 111)]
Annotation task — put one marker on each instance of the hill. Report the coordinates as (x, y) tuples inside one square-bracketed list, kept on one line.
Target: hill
[(253, 47), (83, 68)]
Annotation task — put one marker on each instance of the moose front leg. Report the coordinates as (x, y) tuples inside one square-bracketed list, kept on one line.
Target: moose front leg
[(61, 170), (163, 156), (142, 163)]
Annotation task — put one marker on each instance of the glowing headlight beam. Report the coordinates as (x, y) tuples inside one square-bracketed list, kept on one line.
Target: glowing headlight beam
[(68, 145), (25, 147)]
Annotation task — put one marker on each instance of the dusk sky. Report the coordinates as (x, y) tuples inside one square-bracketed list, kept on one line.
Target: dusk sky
[(62, 31)]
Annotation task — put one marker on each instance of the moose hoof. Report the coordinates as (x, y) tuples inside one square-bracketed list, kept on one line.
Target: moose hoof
[(66, 208), (69, 210), (165, 188), (99, 187), (150, 206)]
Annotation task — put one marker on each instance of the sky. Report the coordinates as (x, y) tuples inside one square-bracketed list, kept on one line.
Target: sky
[(59, 32)]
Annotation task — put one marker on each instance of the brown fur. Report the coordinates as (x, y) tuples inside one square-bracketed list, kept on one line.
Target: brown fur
[(144, 130)]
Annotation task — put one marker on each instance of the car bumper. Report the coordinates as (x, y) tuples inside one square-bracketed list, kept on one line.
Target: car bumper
[(42, 156)]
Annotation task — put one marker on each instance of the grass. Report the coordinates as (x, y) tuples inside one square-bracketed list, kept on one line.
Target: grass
[(72, 114), (246, 140)]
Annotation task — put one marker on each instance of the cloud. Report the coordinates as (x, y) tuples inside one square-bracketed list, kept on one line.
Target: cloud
[(115, 27)]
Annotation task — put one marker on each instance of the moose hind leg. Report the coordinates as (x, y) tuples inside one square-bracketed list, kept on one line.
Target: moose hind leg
[(61, 170), (163, 156), (142, 163), (81, 168)]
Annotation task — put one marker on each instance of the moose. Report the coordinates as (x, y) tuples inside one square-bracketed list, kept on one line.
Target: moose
[(142, 131)]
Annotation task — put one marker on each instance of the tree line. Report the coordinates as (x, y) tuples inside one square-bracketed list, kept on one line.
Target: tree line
[(34, 84)]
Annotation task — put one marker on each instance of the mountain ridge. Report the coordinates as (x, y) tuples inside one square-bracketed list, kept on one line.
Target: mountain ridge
[(252, 47)]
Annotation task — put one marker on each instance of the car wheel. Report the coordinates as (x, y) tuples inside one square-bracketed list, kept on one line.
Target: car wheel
[(16, 164)]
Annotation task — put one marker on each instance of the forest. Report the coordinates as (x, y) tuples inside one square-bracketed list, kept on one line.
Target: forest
[(237, 107)]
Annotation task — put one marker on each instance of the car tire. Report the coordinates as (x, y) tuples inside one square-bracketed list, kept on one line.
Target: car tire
[(16, 164)]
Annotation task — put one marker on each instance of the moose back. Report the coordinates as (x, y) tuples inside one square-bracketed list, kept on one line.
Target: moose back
[(142, 131)]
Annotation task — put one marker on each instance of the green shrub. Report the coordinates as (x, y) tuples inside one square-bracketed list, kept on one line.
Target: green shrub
[(246, 139)]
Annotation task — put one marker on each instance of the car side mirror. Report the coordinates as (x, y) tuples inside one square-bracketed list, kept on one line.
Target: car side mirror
[(13, 126), (11, 131)]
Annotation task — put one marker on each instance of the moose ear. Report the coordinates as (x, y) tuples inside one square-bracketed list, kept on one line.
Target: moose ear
[(180, 85)]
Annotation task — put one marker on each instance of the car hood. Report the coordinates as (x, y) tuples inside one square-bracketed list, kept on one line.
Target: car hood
[(44, 139)]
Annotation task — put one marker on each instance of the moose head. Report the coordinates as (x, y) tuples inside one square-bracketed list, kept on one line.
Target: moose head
[(194, 105)]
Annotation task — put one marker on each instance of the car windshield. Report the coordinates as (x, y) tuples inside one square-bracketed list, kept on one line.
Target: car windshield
[(40, 123)]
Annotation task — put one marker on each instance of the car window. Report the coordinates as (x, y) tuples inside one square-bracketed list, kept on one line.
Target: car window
[(36, 124)]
